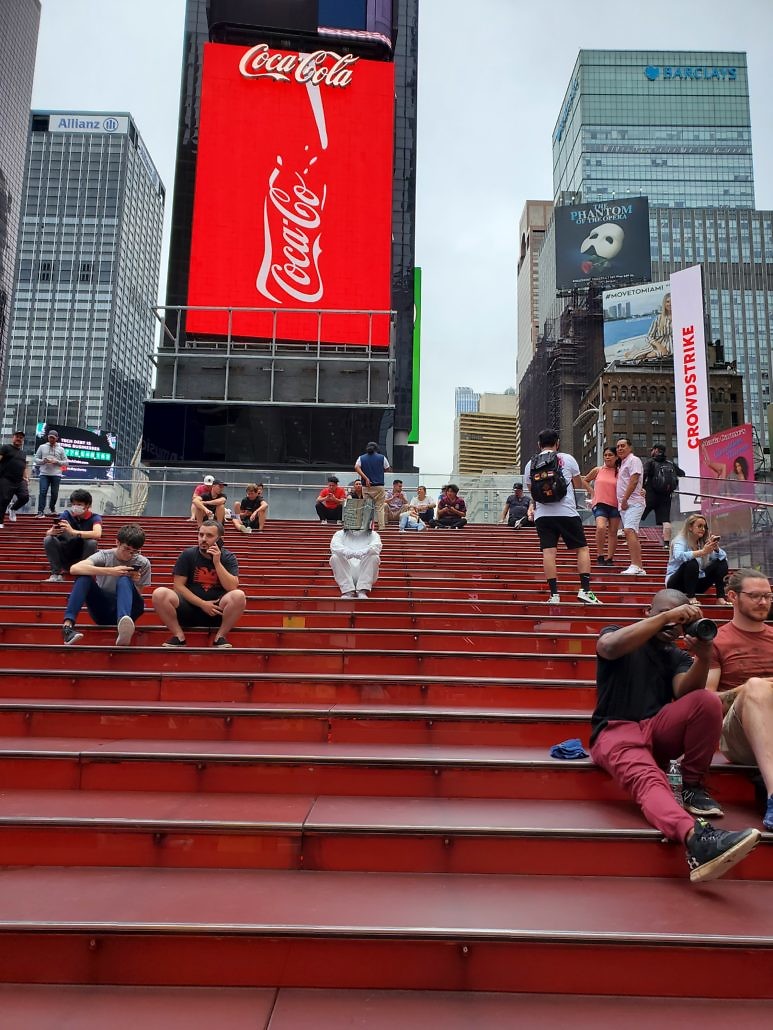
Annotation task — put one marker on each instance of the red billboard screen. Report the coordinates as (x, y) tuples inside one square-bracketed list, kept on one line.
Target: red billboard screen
[(293, 200)]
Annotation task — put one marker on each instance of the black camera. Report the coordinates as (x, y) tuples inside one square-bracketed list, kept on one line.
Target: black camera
[(701, 629)]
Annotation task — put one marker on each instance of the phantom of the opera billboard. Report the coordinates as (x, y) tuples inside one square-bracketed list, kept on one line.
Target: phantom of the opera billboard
[(293, 196), (637, 323), (606, 240)]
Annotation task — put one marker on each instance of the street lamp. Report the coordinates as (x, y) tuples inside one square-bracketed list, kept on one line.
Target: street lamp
[(598, 411)]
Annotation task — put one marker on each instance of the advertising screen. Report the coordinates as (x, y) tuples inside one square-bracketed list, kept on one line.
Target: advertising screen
[(727, 470), (606, 240), (637, 323), (293, 196), (88, 454)]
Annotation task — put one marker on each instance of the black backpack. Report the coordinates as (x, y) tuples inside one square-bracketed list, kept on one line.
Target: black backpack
[(546, 478), (663, 478)]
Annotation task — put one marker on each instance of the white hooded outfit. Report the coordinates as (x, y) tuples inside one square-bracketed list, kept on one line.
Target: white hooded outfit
[(355, 559)]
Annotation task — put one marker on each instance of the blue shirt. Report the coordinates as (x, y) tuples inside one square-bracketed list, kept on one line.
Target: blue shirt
[(373, 466), (681, 553)]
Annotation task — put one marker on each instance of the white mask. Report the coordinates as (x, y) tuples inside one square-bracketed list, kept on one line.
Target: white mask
[(77, 509)]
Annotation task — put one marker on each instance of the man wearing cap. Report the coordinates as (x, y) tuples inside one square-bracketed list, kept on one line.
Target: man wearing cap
[(51, 462), (14, 476), (516, 507), (211, 504), (202, 488), (330, 501)]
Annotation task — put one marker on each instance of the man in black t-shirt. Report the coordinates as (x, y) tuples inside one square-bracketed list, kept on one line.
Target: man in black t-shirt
[(13, 475), (206, 589), (652, 707), (516, 508)]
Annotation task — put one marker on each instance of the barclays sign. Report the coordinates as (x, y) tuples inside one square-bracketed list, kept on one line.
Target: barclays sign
[(697, 73)]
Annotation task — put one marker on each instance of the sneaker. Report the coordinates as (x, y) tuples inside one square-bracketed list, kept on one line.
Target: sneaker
[(241, 527), (711, 852), (601, 560), (11, 515), (608, 563), (666, 545), (347, 595), (554, 599), (40, 515), (221, 642), (174, 642), (363, 595), (588, 597), (54, 578), (698, 801), (70, 635), (125, 631), (767, 821), (633, 570)]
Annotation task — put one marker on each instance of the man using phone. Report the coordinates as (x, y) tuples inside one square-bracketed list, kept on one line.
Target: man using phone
[(205, 592), (109, 584), (652, 707), (73, 536)]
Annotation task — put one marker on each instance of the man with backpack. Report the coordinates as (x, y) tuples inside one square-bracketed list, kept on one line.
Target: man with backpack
[(661, 478), (552, 476)]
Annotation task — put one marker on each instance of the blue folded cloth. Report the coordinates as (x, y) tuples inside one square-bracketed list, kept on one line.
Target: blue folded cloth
[(568, 749)]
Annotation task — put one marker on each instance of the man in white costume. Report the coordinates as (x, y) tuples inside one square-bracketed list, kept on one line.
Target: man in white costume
[(355, 550)]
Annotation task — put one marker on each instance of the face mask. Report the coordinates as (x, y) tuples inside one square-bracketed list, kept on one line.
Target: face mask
[(77, 509)]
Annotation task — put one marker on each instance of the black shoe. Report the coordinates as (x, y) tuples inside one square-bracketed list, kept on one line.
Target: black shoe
[(711, 852), (174, 642), (697, 801), (70, 635), (221, 642), (601, 560)]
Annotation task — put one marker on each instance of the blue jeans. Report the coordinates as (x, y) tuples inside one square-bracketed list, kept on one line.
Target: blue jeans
[(104, 608), (47, 482)]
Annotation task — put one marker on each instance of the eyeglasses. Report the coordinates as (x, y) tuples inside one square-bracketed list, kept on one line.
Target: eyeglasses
[(757, 597)]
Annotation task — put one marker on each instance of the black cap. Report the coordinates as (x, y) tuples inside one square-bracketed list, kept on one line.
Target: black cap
[(517, 486), (659, 448), (218, 482), (19, 432)]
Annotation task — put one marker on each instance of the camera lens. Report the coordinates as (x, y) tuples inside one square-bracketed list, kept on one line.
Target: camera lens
[(701, 629)]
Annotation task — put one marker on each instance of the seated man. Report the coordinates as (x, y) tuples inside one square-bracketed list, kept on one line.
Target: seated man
[(355, 489), (742, 670), (73, 536), (395, 501), (451, 510), (516, 507), (355, 550), (651, 708), (330, 501), (211, 503), (251, 511), (206, 589), (108, 584), (202, 488)]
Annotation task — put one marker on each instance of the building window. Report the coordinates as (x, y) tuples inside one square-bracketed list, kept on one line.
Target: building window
[(619, 416), (86, 272), (45, 270), (659, 418)]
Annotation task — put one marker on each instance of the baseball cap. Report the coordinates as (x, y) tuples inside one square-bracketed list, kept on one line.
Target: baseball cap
[(517, 486), (209, 480), (218, 482), (53, 432)]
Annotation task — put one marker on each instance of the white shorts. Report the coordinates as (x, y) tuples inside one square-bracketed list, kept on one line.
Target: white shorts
[(631, 517)]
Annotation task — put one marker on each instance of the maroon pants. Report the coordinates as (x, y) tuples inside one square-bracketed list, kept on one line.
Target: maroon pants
[(635, 754)]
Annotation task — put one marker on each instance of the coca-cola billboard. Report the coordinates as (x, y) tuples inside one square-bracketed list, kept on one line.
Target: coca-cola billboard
[(293, 199)]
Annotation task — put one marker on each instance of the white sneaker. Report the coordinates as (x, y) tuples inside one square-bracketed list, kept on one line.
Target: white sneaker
[(363, 595), (554, 599), (588, 597), (633, 570), (125, 631), (347, 595), (11, 515), (54, 578), (241, 527)]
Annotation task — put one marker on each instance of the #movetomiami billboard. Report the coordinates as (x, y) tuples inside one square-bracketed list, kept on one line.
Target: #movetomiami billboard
[(607, 240), (637, 323), (293, 198)]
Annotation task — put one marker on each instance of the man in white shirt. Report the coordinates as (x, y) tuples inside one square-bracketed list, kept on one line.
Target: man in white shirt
[(554, 510), (355, 553), (630, 501)]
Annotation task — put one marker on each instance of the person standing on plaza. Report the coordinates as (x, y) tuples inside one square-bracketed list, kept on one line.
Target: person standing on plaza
[(371, 467), (630, 501), (51, 462), (516, 507), (14, 476), (661, 478), (553, 477), (605, 510)]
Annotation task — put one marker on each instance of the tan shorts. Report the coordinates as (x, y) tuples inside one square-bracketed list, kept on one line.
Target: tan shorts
[(733, 743)]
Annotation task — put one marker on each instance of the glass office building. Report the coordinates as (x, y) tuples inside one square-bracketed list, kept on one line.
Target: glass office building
[(673, 126), (82, 329), (18, 42)]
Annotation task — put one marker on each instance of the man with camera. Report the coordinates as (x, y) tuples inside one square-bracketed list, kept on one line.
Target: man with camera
[(651, 708), (741, 668)]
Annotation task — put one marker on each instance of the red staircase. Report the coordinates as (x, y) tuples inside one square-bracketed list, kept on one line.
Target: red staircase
[(351, 818)]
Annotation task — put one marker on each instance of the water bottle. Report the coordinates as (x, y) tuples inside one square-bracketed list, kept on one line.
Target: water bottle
[(675, 781)]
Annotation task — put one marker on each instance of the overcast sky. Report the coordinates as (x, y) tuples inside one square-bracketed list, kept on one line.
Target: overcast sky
[(492, 75)]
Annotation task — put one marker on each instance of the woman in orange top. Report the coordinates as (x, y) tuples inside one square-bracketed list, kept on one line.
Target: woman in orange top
[(604, 508)]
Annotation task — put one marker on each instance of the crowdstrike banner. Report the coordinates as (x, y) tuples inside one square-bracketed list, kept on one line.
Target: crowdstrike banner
[(691, 387)]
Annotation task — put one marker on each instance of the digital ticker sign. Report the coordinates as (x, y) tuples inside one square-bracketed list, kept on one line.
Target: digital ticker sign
[(90, 455), (293, 195)]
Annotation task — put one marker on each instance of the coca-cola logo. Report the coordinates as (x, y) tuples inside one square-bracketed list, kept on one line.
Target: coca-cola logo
[(322, 68)]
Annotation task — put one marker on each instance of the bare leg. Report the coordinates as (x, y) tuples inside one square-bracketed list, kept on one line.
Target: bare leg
[(262, 513), (165, 605), (549, 562), (755, 708), (666, 532), (232, 605), (602, 524), (614, 525), (634, 547), (583, 560)]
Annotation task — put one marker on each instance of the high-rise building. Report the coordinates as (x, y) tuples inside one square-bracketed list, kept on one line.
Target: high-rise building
[(18, 42), (673, 126), (246, 391), (465, 400), (487, 440), (534, 222), (82, 329)]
